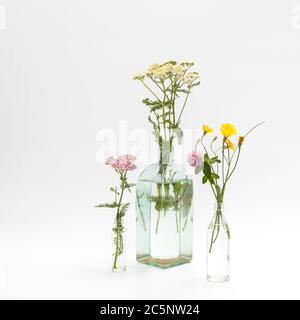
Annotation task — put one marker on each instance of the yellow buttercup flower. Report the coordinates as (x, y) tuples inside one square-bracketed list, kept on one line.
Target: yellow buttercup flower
[(228, 129), (230, 144), (207, 129)]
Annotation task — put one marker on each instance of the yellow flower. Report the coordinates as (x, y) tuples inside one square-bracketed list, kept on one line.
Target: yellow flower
[(228, 129), (207, 129), (230, 144)]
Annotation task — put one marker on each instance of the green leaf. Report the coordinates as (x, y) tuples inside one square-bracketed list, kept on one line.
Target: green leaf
[(114, 190), (204, 179), (179, 135), (212, 181), (195, 84), (129, 185), (215, 176), (123, 209), (151, 103), (108, 205), (154, 108), (184, 91), (145, 101), (156, 134), (176, 187), (213, 160), (151, 121), (207, 170)]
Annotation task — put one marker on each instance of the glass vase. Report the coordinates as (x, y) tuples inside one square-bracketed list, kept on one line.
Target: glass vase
[(118, 247), (164, 220), (218, 247)]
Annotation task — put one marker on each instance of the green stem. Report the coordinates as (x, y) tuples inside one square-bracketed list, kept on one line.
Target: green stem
[(164, 115), (117, 252), (253, 129), (212, 238), (214, 153), (159, 198), (182, 109), (223, 157), (229, 174), (236, 163), (151, 91), (118, 218), (216, 225), (157, 222), (218, 228), (158, 86), (140, 209), (177, 222)]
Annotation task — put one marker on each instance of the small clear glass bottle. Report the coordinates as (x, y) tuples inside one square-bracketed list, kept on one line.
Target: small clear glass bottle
[(218, 247), (118, 247)]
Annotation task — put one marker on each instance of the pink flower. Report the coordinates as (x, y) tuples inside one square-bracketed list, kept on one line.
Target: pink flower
[(109, 161), (122, 163), (195, 159), (132, 167), (130, 157)]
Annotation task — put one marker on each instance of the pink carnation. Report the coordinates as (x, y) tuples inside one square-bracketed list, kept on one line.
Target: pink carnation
[(122, 163), (195, 159)]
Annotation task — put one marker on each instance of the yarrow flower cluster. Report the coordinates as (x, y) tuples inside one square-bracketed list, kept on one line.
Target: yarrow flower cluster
[(169, 85), (170, 70), (122, 163)]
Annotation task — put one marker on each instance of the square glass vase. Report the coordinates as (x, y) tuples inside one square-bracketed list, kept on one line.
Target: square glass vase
[(164, 219)]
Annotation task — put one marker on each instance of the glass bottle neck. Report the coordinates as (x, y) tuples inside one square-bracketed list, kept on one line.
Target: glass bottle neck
[(166, 152), (218, 217), (219, 208)]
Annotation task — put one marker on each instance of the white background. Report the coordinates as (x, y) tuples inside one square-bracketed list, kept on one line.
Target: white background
[(66, 69)]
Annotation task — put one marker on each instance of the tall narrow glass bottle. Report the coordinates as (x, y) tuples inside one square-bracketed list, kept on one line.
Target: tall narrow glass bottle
[(218, 247)]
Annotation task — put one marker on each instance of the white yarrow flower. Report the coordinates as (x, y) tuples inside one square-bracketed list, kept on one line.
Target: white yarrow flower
[(139, 76)]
